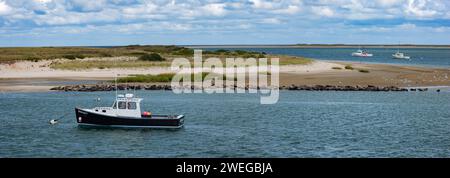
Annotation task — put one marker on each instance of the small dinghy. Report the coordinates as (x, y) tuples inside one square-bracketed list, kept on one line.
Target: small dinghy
[(126, 113)]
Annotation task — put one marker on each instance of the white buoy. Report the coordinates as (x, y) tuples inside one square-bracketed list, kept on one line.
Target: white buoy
[(53, 121)]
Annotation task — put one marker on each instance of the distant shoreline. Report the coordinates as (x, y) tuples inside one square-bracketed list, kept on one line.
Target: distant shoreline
[(321, 46), (256, 46)]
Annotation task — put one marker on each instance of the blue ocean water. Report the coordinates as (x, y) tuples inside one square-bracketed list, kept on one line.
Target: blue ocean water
[(301, 124), (434, 57)]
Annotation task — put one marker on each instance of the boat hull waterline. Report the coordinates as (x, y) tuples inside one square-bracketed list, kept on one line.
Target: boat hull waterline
[(90, 119)]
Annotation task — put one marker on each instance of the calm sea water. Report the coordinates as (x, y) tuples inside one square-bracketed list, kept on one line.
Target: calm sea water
[(422, 57), (302, 124)]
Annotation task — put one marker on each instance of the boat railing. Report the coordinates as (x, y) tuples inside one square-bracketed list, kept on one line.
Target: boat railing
[(103, 108)]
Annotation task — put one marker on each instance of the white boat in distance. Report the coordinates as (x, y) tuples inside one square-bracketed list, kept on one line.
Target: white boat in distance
[(361, 53), (399, 55)]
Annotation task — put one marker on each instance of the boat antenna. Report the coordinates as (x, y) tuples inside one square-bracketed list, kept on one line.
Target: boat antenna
[(115, 77), (134, 89), (115, 83)]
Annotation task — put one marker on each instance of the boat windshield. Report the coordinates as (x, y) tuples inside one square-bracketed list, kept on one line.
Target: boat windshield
[(122, 105), (132, 105)]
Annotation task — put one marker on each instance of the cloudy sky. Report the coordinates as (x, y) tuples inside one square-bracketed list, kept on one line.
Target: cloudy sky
[(124, 22)]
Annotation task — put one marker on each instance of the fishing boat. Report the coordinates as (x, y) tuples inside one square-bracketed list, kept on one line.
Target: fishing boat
[(399, 55), (126, 113), (361, 53)]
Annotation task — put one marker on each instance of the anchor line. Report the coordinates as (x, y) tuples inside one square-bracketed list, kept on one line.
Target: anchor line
[(60, 118)]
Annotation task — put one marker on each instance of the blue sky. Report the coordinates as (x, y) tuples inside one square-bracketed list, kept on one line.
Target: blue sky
[(124, 22)]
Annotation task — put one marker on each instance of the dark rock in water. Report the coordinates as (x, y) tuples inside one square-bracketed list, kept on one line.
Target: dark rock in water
[(57, 88), (438, 90), (412, 89), (293, 87)]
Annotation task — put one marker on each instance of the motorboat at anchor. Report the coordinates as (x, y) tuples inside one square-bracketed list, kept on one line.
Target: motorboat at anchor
[(361, 53), (399, 55), (126, 113)]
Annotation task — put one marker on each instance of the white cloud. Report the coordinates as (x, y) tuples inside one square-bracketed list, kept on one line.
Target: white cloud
[(271, 21), (389, 3), (442, 29), (139, 16), (261, 4), (86, 5), (43, 1), (420, 8), (140, 10), (407, 26), (4, 8), (236, 5), (216, 9), (323, 11), (291, 9)]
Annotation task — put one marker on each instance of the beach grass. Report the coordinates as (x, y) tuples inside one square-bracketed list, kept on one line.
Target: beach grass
[(289, 60), (167, 77), (45, 53), (76, 64), (337, 68), (152, 56), (349, 67), (363, 71), (160, 78), (101, 64)]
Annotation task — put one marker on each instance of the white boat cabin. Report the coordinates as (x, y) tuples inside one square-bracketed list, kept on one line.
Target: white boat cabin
[(125, 106)]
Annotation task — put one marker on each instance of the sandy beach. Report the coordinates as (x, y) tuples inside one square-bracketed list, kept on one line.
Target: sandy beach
[(26, 76)]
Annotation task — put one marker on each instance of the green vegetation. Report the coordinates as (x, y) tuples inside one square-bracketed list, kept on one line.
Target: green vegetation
[(74, 56), (349, 67), (184, 52), (363, 71), (101, 64), (163, 78), (236, 53), (337, 68), (148, 56), (151, 57), (44, 53), (289, 60), (147, 78)]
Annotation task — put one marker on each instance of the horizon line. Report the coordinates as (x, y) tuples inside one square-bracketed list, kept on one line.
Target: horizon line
[(244, 45)]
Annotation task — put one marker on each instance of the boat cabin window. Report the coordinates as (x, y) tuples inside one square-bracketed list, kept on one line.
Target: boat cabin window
[(132, 105), (115, 105), (122, 105)]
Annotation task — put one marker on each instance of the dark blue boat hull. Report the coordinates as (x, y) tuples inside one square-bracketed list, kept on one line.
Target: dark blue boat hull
[(85, 118)]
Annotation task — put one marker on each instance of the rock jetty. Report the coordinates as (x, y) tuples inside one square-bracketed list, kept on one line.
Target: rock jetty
[(110, 87)]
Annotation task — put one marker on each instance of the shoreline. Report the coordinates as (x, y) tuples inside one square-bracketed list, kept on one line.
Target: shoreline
[(28, 76)]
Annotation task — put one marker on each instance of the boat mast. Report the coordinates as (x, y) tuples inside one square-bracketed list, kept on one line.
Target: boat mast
[(115, 81)]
